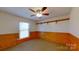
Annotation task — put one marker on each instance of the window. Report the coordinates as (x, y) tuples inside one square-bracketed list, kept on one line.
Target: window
[(24, 30)]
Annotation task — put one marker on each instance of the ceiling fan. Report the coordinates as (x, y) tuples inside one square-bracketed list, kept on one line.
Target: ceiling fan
[(39, 12)]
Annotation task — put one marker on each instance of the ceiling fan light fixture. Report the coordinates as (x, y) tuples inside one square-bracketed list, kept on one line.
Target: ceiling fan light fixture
[(39, 15)]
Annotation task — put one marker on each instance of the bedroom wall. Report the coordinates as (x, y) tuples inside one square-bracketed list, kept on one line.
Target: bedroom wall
[(9, 29), (62, 26), (54, 32), (74, 22), (65, 32), (10, 23)]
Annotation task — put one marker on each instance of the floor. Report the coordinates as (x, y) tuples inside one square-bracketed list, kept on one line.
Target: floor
[(38, 45)]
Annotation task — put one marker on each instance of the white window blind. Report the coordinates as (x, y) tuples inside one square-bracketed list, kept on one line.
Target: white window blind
[(24, 30)]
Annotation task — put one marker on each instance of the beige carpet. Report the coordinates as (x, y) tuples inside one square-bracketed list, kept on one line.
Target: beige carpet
[(39, 45)]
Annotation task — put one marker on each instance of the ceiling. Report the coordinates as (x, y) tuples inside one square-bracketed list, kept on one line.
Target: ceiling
[(25, 12)]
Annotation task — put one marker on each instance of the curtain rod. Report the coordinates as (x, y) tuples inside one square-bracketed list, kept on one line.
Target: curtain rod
[(54, 21)]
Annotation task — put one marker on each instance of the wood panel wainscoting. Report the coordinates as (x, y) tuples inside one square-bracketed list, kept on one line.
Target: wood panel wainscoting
[(62, 38), (56, 37), (33, 35), (12, 39), (8, 40), (73, 42)]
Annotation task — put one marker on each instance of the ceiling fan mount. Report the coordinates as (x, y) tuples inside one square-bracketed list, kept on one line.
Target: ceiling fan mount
[(39, 12)]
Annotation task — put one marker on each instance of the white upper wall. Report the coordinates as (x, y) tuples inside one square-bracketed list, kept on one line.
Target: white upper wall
[(54, 27), (74, 22), (10, 23)]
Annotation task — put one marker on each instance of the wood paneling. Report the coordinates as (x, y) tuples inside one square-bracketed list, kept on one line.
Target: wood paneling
[(62, 38), (54, 36), (74, 42), (33, 35), (8, 40), (22, 40)]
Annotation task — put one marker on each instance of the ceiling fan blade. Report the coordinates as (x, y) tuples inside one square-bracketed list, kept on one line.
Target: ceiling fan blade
[(46, 14), (32, 10), (44, 8), (32, 15)]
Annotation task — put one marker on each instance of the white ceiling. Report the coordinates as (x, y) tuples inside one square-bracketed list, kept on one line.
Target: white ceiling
[(24, 12)]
